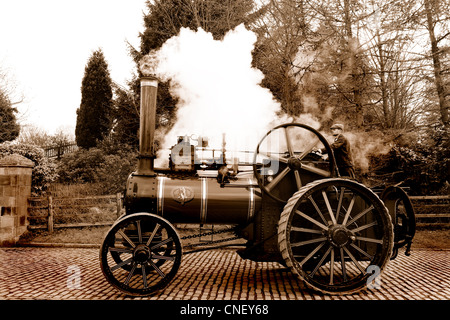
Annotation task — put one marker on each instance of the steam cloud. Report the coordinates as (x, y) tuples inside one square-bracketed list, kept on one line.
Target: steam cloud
[(219, 92), (217, 88)]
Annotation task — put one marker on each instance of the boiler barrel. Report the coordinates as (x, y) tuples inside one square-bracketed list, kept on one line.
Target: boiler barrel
[(194, 200), (203, 200)]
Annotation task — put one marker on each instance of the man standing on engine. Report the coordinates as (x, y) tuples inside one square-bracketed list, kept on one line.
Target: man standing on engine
[(342, 151)]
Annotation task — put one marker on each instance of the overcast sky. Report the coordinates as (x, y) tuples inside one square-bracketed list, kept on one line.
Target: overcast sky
[(45, 45)]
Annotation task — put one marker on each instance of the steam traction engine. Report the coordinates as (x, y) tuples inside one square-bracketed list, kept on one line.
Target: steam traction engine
[(290, 207)]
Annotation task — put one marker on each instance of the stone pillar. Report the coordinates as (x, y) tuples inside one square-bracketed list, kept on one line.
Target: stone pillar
[(15, 189)]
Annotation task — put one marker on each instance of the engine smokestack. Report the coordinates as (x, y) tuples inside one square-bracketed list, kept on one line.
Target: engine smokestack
[(149, 87)]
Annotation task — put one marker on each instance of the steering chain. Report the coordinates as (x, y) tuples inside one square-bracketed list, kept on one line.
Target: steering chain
[(206, 243)]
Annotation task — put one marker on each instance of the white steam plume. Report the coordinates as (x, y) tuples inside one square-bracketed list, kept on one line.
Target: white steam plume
[(218, 89)]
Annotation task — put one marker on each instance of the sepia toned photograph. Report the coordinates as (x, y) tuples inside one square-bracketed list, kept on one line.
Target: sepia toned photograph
[(224, 158)]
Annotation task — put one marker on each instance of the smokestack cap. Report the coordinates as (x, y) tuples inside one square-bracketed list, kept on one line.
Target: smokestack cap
[(337, 126), (149, 81)]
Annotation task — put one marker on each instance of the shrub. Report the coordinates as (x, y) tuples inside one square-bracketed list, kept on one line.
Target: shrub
[(423, 164), (107, 167), (44, 171)]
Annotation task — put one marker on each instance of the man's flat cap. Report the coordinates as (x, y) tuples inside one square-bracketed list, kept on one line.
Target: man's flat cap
[(337, 126)]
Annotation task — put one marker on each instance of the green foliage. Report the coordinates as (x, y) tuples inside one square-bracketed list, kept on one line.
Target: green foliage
[(107, 166), (94, 113), (126, 113), (422, 163), (44, 172), (9, 128)]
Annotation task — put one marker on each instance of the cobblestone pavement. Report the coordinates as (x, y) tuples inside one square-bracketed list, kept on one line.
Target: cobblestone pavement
[(47, 273)]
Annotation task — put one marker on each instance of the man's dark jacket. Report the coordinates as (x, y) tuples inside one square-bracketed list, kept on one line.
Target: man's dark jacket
[(342, 153)]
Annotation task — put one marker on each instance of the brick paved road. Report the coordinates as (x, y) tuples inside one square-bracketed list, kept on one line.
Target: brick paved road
[(43, 273)]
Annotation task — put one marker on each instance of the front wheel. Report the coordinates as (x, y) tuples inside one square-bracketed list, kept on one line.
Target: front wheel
[(140, 254), (335, 234)]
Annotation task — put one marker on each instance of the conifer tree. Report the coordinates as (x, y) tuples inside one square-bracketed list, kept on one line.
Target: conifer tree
[(94, 114), (9, 128)]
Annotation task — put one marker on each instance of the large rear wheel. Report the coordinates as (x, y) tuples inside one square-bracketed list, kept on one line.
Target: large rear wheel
[(335, 234)]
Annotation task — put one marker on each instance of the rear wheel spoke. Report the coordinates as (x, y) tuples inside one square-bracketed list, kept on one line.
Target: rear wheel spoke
[(330, 211), (304, 243), (320, 262), (366, 226), (307, 217), (306, 230), (354, 260), (331, 267), (359, 215), (312, 253)]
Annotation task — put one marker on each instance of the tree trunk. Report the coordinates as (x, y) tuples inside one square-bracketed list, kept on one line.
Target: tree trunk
[(383, 83), (443, 106), (353, 45)]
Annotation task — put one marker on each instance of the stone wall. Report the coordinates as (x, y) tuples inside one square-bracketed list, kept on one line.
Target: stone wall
[(15, 189)]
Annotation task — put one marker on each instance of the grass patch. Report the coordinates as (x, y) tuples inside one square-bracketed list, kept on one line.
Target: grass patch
[(432, 236), (85, 235)]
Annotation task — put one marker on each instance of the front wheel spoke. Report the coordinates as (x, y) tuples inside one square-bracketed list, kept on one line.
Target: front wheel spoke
[(153, 234), (130, 275), (124, 236), (330, 211), (319, 264), (121, 264), (160, 244), (121, 250), (144, 274), (354, 260), (317, 223), (139, 231), (158, 270), (169, 258)]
